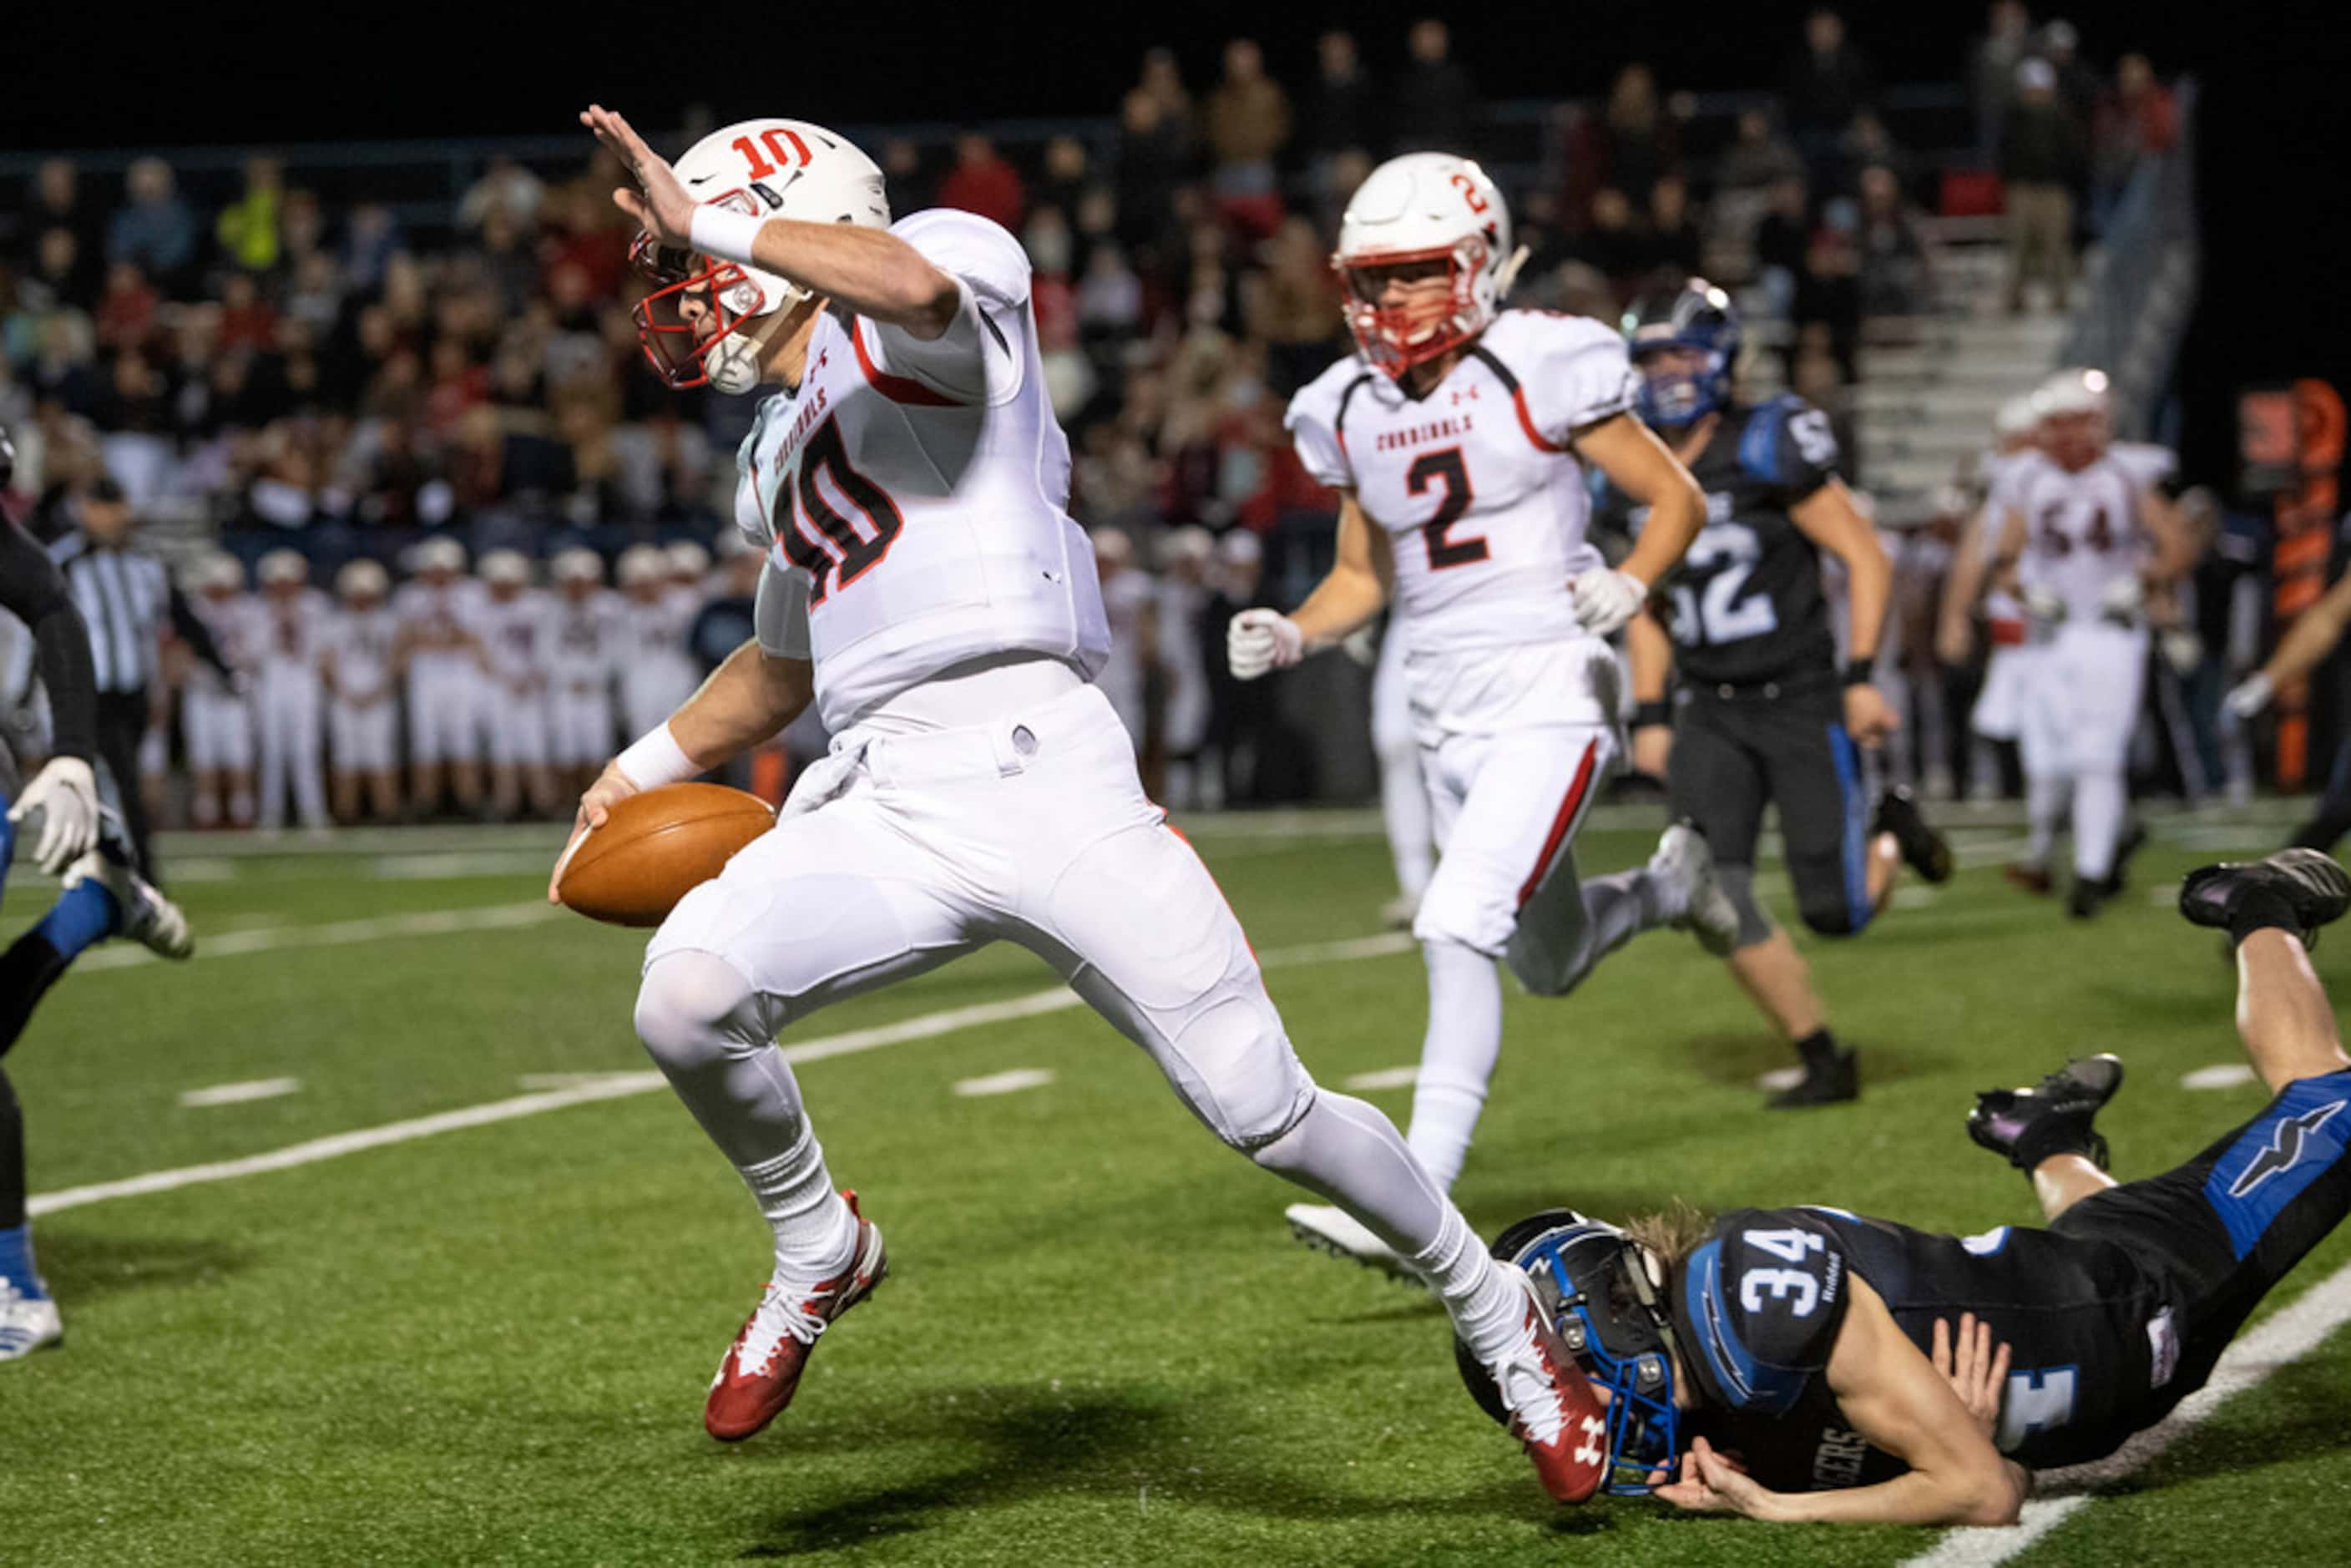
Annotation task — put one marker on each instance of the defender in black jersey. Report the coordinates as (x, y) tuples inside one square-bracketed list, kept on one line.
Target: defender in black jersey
[(1760, 710), (1800, 1363), (79, 837)]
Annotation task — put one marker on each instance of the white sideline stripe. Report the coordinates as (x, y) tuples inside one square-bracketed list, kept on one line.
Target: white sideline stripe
[(1385, 1078), (1010, 1083), (2227, 1075), (2285, 1338), (337, 933), (238, 1093), (620, 1085)]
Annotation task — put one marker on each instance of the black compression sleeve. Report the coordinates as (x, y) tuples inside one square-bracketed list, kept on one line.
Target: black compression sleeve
[(33, 591)]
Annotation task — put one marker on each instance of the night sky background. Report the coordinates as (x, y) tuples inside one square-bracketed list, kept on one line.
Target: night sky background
[(2275, 132)]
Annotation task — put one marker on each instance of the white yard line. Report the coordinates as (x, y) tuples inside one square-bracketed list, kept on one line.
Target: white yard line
[(2285, 1338), (240, 1093), (2227, 1075), (1011, 1083), (336, 933), (1385, 1078), (620, 1085)]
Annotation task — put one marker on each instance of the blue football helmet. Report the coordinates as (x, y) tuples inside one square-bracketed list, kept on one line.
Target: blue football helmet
[(1701, 317), (1606, 1294)]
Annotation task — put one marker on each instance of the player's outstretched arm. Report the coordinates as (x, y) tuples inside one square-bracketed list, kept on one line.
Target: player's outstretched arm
[(2313, 636), (1830, 519), (869, 272), (1343, 603), (1638, 464), (1900, 1402)]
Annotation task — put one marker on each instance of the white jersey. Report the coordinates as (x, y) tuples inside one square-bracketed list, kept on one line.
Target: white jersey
[(588, 638), (1128, 597), (361, 641), (2001, 471), (916, 492), (2082, 532), (236, 624), (1483, 501), (517, 635), (439, 621), (293, 634)]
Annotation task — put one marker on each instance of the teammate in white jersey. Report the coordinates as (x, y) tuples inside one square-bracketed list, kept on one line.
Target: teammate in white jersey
[(589, 642), (1183, 556), (441, 654), (216, 718), (657, 671), (286, 695), (1458, 440), (1131, 611), (2088, 536), (362, 673), (517, 631), (928, 592)]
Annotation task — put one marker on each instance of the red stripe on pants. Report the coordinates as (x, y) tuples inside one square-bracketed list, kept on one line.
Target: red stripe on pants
[(1561, 824)]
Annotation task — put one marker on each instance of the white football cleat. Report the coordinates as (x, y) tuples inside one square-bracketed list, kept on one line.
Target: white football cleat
[(26, 1322), (1341, 1235), (1708, 914), (149, 918)]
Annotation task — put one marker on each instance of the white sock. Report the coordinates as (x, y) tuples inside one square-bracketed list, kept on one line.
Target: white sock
[(1404, 808), (2100, 802), (816, 1236), (1488, 1309), (2044, 802), (1457, 1056)]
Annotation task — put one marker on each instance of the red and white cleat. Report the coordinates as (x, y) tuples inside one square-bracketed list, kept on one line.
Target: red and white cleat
[(762, 1368), (1555, 1414)]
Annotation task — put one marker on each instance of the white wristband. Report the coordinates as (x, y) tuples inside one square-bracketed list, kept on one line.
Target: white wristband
[(722, 233), (656, 759)]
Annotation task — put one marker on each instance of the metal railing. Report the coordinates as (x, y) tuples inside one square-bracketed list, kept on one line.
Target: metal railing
[(2136, 316)]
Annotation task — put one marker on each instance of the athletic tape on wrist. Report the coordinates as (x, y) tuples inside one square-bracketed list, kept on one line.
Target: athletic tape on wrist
[(722, 233), (657, 759)]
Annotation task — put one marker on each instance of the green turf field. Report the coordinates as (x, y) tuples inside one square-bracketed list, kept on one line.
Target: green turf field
[(1098, 1344)]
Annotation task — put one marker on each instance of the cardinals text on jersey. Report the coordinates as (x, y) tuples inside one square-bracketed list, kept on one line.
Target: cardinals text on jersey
[(917, 492)]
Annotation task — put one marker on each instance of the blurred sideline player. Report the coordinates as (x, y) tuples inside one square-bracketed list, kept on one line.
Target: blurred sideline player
[(1404, 796), (1810, 1364), (1760, 712), (286, 694), (1457, 439), (1993, 719), (2088, 536), (2313, 634), (518, 649), (361, 670), (657, 671), (440, 653), (587, 655), (215, 715), (81, 840), (930, 594), (1185, 555)]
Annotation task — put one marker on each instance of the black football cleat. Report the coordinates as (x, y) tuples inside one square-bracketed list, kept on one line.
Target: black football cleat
[(1924, 850), (2088, 897), (2025, 1126), (1829, 1083), (2312, 883)]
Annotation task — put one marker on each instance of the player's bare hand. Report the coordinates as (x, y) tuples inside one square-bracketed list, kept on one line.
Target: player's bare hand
[(1653, 747), (1711, 1482), (1869, 718), (1976, 1371), (1953, 644), (611, 788), (658, 203)]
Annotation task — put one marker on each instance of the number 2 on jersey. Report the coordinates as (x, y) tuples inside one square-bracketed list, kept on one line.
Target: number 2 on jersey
[(844, 550), (1444, 467)]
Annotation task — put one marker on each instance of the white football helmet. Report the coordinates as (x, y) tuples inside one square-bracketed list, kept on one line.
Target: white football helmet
[(578, 564), (282, 565), (363, 581), (641, 565), (2077, 408), (1424, 207), (504, 569), (687, 561), (217, 571), (770, 169)]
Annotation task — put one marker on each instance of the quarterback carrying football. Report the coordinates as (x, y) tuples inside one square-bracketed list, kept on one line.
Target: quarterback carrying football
[(1457, 438), (925, 587), (1809, 1363)]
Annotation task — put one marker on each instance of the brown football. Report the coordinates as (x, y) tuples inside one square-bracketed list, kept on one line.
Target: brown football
[(655, 847)]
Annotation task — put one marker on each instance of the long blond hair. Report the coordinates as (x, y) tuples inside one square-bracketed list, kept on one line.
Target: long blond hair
[(1671, 1233)]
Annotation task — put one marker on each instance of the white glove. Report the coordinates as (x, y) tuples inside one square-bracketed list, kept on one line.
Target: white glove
[(2249, 695), (2124, 599), (2183, 650), (1262, 640), (65, 794), (1605, 600), (2044, 604)]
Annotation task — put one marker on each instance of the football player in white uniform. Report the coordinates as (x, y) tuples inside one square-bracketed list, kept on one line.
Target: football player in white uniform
[(287, 695), (1996, 716), (216, 719), (928, 590), (657, 673), (517, 633), (440, 652), (1458, 440), (588, 648), (363, 698), (2088, 536)]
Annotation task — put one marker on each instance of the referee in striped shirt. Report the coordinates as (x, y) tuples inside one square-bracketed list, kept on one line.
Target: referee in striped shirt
[(126, 597)]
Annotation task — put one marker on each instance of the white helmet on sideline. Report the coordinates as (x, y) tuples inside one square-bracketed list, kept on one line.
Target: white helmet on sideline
[(363, 579), (1424, 207), (770, 169)]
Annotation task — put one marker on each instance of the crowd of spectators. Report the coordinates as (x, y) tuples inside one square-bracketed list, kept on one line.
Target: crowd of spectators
[(346, 378)]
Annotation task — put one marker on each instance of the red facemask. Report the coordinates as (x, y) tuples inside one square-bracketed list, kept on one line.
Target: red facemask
[(1394, 338)]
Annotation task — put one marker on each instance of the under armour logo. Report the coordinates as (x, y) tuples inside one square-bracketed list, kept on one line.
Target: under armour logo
[(2285, 1150), (1588, 1451)]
